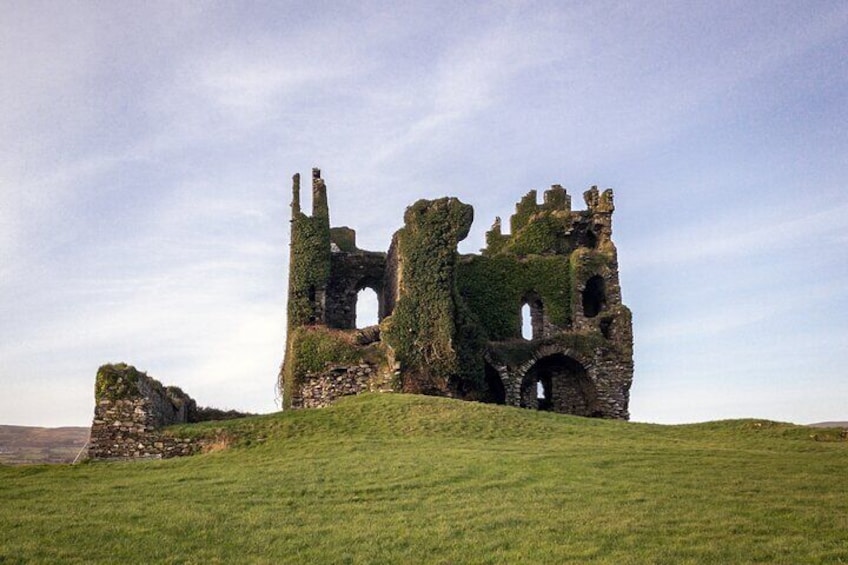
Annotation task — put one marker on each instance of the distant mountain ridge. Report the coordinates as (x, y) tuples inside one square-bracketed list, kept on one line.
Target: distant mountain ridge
[(829, 425), (27, 444)]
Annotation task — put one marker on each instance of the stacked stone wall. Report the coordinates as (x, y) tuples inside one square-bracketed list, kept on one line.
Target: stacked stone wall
[(125, 429), (130, 410), (322, 389)]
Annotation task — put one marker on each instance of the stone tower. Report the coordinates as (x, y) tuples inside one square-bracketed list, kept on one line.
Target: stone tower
[(450, 324)]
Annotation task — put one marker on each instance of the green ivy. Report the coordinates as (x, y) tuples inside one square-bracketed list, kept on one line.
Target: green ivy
[(516, 352), (496, 287), (344, 238), (545, 234), (312, 348), (423, 327), (309, 265)]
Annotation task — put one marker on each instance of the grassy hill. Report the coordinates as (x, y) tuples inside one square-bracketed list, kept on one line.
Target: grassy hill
[(27, 445), (413, 479)]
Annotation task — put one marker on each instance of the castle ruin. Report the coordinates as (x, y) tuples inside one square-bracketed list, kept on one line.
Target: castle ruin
[(450, 324)]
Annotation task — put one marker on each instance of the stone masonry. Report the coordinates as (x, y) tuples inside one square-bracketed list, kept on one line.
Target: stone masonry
[(451, 324), (130, 411)]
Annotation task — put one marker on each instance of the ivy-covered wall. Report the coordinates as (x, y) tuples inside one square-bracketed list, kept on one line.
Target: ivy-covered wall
[(452, 325), (422, 329), (309, 268), (496, 287)]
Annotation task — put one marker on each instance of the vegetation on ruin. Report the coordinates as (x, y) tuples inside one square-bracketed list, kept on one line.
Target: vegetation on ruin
[(411, 479), (587, 262), (496, 287), (309, 266), (344, 238), (312, 348), (545, 234), (422, 328), (116, 381), (514, 352)]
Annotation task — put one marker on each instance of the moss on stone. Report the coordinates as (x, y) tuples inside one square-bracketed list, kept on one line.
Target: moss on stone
[(516, 352), (525, 208), (544, 234), (117, 381), (587, 262), (345, 238), (312, 348)]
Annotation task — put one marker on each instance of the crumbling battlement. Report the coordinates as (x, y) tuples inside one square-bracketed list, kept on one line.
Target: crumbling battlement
[(451, 324)]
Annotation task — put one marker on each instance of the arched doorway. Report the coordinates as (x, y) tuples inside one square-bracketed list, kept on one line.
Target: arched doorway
[(559, 383)]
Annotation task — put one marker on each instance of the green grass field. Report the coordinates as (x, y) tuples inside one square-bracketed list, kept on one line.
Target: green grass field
[(412, 479)]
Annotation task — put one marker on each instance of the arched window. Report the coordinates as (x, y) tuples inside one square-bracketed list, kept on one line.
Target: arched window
[(526, 323), (367, 308), (532, 318)]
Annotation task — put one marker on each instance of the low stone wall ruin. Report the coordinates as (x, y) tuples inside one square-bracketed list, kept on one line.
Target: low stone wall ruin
[(130, 411), (125, 428), (336, 381)]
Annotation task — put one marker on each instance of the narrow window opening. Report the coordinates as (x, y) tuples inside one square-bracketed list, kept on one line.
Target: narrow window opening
[(591, 240), (526, 323), (544, 398), (606, 327), (366, 308), (494, 386)]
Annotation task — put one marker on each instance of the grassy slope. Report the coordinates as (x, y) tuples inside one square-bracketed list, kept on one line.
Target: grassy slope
[(392, 478), (24, 444)]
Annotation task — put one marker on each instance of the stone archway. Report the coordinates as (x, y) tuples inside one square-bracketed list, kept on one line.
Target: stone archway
[(558, 382)]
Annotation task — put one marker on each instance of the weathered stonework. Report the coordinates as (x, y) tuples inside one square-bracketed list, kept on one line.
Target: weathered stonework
[(130, 411), (321, 389), (450, 324)]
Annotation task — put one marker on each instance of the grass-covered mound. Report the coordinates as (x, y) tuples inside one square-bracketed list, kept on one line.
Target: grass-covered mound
[(394, 478)]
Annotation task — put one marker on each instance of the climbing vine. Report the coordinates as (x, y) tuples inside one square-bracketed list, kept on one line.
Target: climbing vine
[(309, 266), (422, 328), (495, 288)]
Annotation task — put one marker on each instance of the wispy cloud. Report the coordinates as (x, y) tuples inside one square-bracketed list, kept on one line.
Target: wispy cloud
[(738, 235), (146, 150)]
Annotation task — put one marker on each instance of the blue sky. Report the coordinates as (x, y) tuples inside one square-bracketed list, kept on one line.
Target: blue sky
[(146, 151)]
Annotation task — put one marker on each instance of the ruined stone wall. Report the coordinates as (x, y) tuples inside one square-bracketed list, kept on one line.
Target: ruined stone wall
[(451, 324), (350, 272), (130, 410), (323, 388)]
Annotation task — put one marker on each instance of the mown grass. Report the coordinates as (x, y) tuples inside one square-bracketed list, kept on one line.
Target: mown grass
[(412, 479)]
